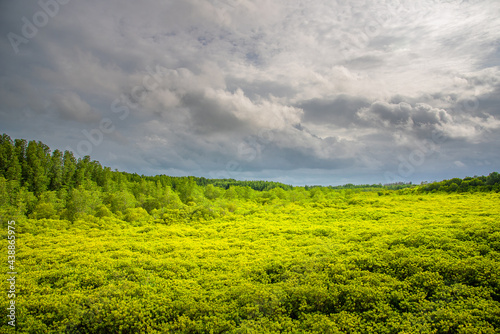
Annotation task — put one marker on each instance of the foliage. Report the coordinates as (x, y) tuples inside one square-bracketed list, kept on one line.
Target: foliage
[(468, 184), (109, 252)]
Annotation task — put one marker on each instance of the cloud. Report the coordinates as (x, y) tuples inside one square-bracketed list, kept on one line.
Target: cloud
[(71, 107), (17, 93), (336, 88), (404, 114), (340, 111)]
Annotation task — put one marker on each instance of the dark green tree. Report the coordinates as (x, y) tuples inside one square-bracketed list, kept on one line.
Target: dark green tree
[(83, 170), (37, 167), (69, 168), (188, 190), (56, 170), (6, 151)]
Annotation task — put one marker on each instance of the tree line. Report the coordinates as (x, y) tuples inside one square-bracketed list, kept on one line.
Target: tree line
[(40, 183), (468, 184)]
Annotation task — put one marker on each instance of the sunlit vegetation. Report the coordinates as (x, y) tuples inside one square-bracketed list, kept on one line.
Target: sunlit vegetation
[(472, 184), (101, 251)]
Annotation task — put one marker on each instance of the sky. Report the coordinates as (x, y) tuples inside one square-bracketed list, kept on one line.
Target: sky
[(301, 92)]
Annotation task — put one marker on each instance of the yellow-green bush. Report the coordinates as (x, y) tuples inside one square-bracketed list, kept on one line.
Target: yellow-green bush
[(354, 262)]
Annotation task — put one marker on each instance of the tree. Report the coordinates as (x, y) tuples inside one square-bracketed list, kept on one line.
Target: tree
[(37, 167), (279, 192), (10, 166), (20, 151), (188, 190), (4, 194), (83, 170), (100, 175), (120, 201), (6, 151), (245, 192), (212, 192), (69, 168), (14, 171), (318, 196), (231, 194), (493, 178), (56, 171), (23, 200), (298, 195), (44, 210), (82, 201)]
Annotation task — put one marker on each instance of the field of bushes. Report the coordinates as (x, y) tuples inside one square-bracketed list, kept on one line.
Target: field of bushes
[(101, 251), (353, 263)]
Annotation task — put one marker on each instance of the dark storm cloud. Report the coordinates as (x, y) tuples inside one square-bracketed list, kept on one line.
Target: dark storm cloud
[(207, 116), (340, 111), (402, 114), (71, 107)]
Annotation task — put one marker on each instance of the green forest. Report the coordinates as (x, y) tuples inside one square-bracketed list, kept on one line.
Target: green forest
[(103, 251)]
